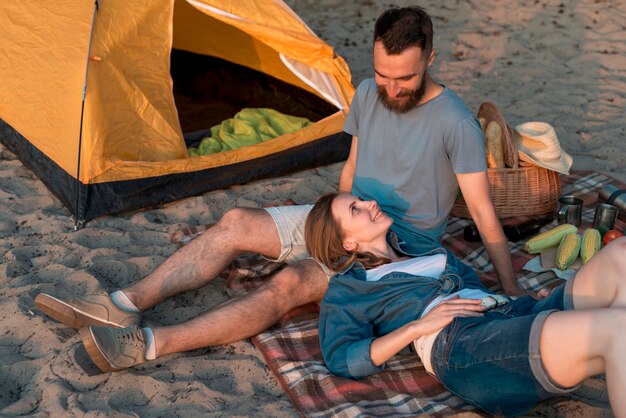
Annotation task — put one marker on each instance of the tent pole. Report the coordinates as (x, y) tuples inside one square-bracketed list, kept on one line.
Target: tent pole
[(78, 224)]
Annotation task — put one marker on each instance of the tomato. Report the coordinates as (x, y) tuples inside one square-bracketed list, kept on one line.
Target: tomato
[(611, 235)]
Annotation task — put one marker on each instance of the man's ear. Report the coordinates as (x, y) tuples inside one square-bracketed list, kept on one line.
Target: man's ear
[(431, 57), (350, 246)]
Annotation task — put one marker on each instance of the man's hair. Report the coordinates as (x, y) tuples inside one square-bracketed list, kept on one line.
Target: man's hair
[(324, 239), (401, 28)]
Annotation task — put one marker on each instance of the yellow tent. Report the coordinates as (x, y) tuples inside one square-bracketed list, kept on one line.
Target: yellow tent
[(101, 99)]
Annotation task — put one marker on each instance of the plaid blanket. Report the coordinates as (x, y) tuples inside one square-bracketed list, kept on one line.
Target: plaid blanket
[(291, 347)]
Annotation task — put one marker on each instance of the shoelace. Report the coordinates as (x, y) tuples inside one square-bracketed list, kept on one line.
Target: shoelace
[(131, 336)]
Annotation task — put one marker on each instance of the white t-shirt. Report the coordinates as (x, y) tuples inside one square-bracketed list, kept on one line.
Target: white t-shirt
[(429, 266)]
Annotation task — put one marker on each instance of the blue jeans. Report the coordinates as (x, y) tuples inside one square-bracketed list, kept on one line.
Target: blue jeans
[(493, 361)]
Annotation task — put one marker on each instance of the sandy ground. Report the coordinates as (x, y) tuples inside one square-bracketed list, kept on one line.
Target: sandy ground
[(561, 62)]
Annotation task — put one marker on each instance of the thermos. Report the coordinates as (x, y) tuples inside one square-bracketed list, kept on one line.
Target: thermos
[(611, 195), (526, 229)]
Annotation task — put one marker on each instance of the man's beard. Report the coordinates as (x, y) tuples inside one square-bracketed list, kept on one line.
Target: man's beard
[(404, 101)]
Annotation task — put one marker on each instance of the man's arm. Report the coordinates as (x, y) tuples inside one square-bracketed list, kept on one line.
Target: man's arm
[(347, 172), (476, 192)]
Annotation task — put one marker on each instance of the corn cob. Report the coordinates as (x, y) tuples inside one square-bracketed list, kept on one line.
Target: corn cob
[(548, 239), (568, 251), (590, 244)]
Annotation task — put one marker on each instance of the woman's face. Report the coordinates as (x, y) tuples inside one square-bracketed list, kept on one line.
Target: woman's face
[(361, 222)]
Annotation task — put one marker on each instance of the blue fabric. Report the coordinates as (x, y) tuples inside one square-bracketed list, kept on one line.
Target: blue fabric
[(491, 361), (487, 360), (355, 311), (422, 150)]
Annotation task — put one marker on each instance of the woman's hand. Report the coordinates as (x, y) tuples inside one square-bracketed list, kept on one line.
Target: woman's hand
[(446, 311), (385, 347)]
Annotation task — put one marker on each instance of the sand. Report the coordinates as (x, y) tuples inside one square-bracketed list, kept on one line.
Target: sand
[(562, 62)]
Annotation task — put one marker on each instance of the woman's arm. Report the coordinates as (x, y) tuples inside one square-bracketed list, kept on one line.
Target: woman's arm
[(387, 346), (345, 335)]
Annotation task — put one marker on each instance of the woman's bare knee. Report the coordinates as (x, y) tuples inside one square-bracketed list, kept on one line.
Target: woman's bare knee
[(616, 250), (602, 281)]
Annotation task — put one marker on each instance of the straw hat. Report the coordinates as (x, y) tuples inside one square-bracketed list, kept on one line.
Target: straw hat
[(538, 144), (490, 113)]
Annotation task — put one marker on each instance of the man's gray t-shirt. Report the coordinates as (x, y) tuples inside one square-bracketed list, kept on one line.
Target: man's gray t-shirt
[(407, 162)]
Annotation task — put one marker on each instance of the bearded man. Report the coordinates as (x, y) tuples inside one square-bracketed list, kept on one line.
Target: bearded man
[(414, 144)]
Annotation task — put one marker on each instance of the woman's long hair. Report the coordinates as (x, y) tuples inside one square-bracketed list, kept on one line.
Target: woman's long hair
[(324, 239)]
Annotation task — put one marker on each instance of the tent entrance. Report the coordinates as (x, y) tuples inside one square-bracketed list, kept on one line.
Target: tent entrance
[(208, 90)]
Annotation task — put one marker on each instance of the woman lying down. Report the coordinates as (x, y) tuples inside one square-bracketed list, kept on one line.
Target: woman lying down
[(499, 354)]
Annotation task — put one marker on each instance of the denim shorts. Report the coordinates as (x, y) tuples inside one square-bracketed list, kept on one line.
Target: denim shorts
[(493, 361), (290, 222)]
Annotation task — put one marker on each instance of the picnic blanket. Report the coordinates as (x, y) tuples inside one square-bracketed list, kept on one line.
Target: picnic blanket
[(291, 347)]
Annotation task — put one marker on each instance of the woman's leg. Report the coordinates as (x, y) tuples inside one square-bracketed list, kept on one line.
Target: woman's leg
[(601, 283), (575, 345)]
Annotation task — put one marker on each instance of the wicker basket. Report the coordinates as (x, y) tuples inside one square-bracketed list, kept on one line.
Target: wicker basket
[(522, 191)]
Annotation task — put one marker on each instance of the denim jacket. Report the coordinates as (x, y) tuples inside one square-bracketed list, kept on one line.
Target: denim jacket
[(354, 311)]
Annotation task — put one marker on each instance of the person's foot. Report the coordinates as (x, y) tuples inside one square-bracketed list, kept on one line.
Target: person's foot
[(92, 310), (114, 348)]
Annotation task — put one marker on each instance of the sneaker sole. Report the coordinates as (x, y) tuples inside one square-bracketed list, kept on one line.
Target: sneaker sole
[(94, 351), (69, 315)]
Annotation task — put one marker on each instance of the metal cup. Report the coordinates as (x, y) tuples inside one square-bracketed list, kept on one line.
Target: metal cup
[(570, 210), (604, 219), (611, 195)]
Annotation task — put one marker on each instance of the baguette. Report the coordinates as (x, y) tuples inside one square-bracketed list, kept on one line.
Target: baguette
[(482, 122), (493, 145)]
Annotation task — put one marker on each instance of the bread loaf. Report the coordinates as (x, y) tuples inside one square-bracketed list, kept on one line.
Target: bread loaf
[(482, 122), (494, 146), (497, 131)]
